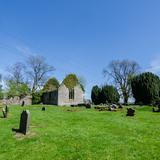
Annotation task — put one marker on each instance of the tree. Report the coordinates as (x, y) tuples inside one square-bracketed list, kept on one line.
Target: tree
[(20, 90), (1, 89), (109, 94), (38, 71), (51, 85), (16, 85), (71, 80), (95, 95), (37, 97), (16, 72), (146, 88), (121, 73)]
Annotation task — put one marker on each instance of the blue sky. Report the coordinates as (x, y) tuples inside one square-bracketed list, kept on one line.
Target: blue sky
[(81, 36)]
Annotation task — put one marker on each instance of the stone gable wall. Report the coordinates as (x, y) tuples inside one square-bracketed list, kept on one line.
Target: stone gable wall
[(63, 96)]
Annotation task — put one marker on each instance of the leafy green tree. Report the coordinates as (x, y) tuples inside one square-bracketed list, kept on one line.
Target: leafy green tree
[(51, 85), (96, 95), (1, 92), (19, 90), (109, 94), (71, 80), (146, 88), (1, 88), (37, 97)]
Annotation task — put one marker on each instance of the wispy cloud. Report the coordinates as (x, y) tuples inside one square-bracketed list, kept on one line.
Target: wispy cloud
[(155, 65), (24, 51)]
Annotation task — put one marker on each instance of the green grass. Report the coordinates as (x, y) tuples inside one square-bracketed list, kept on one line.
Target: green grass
[(64, 133)]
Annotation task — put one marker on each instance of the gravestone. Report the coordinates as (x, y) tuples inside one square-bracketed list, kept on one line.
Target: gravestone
[(7, 109), (120, 106), (43, 108), (114, 106), (156, 110), (24, 122), (130, 112), (88, 106), (23, 103), (4, 113)]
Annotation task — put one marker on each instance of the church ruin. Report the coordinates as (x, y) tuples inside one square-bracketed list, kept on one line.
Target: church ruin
[(69, 92)]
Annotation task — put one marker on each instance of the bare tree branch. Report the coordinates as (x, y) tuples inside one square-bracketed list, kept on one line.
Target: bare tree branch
[(121, 72), (38, 71)]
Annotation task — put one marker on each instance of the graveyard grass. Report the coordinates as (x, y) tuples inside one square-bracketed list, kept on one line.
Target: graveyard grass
[(65, 133)]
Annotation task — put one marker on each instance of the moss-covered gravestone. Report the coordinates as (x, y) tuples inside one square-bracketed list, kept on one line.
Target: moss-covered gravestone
[(24, 122), (5, 112)]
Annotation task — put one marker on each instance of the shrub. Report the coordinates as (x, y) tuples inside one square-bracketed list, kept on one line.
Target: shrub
[(95, 95), (146, 88), (71, 80), (109, 94), (51, 85), (106, 94), (37, 97)]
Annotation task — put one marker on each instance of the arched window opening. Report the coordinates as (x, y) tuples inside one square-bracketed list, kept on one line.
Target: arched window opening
[(71, 94)]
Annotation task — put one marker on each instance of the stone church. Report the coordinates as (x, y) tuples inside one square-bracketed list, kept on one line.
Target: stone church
[(64, 96)]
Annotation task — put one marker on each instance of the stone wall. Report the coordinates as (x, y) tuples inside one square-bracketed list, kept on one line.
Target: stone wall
[(50, 98), (17, 101), (63, 96)]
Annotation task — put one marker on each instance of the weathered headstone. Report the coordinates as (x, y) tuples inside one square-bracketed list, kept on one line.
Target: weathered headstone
[(156, 110), (43, 108), (120, 106), (114, 106), (23, 103), (88, 106), (24, 122), (7, 109), (4, 113), (130, 112)]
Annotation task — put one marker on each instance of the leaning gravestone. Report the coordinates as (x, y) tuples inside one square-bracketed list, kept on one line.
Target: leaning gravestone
[(130, 112), (24, 122), (4, 113)]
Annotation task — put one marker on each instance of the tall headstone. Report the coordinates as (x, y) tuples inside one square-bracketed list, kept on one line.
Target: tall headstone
[(7, 109), (23, 103), (24, 122), (43, 108), (4, 113)]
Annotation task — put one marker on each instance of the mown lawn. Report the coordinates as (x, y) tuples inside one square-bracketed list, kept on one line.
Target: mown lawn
[(64, 133)]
